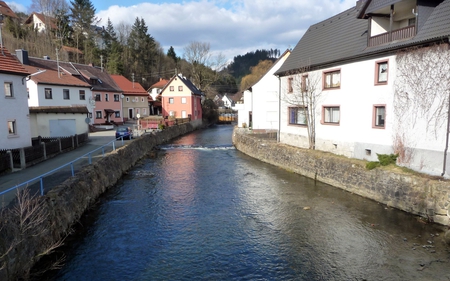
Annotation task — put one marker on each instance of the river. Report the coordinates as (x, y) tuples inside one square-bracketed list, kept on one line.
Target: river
[(201, 210)]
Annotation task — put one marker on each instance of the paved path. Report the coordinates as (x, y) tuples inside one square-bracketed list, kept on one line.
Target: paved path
[(96, 140)]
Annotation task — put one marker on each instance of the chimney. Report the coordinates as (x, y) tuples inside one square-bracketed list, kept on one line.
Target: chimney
[(46, 57), (22, 56)]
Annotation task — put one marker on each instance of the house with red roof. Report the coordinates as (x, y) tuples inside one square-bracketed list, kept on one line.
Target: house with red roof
[(14, 113), (154, 101), (181, 99), (135, 98)]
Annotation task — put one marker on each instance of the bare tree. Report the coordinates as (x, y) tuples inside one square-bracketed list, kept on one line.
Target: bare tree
[(49, 7), (26, 236), (421, 98), (303, 93)]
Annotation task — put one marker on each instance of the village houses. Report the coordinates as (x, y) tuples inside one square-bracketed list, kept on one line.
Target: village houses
[(154, 100), (354, 85), (134, 98)]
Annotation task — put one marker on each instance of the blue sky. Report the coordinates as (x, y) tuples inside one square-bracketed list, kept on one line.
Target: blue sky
[(232, 27)]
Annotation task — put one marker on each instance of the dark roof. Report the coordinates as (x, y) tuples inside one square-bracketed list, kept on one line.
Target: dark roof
[(83, 72), (191, 86), (379, 4), (58, 109), (343, 38)]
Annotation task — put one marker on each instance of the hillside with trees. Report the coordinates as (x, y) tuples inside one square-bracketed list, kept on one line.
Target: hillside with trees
[(128, 50)]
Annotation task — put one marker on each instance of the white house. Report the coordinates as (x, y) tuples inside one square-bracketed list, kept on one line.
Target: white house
[(244, 109), (227, 102), (367, 93), (41, 22), (14, 114), (265, 107)]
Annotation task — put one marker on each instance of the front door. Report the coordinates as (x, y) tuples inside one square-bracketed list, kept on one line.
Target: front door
[(130, 113)]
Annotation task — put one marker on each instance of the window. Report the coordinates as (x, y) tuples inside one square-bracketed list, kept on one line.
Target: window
[(170, 100), (142, 99), (412, 21), (48, 93), (379, 114), (128, 99), (98, 114), (180, 88), (66, 94), (171, 113), (28, 93), (171, 88), (12, 130), (9, 90), (117, 114), (332, 79), (331, 114), (116, 97), (106, 97), (144, 111), (297, 115), (183, 114), (183, 100), (305, 83), (98, 97), (381, 70), (82, 95), (290, 85)]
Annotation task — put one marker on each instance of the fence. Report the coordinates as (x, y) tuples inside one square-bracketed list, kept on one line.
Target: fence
[(41, 149), (153, 124)]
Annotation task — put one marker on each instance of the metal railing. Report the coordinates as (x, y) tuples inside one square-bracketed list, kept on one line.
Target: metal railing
[(71, 164)]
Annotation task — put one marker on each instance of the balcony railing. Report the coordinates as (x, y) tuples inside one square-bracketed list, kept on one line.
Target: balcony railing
[(398, 34)]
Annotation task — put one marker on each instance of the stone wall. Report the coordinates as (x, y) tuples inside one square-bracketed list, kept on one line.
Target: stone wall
[(67, 202), (417, 194)]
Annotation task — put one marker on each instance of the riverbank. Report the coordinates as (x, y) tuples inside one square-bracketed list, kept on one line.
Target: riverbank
[(63, 206), (420, 195)]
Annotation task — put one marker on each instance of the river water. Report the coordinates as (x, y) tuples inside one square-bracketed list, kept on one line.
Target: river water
[(201, 210)]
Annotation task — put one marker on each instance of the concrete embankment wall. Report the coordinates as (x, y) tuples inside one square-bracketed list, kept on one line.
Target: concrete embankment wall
[(416, 194), (68, 201)]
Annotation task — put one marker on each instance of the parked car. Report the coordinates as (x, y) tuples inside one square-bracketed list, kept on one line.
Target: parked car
[(124, 132)]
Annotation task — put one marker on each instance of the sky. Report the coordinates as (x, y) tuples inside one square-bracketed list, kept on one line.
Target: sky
[(231, 27)]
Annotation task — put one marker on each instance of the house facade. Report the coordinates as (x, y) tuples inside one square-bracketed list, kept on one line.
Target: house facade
[(41, 22), (265, 98), (154, 102), (14, 113), (368, 93), (181, 99), (134, 98)]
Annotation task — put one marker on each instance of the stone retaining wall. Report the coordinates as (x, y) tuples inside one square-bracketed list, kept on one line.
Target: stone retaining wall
[(420, 195), (68, 201)]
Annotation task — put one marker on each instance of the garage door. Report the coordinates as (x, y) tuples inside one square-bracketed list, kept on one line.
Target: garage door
[(62, 127)]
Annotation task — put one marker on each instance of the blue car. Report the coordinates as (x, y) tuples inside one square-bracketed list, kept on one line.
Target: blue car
[(124, 132)]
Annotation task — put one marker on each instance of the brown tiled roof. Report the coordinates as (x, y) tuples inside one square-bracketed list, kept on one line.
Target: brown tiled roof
[(6, 11), (58, 109), (51, 77), (71, 50), (10, 64), (128, 87), (159, 85)]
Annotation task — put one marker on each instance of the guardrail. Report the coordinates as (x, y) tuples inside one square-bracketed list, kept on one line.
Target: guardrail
[(71, 164)]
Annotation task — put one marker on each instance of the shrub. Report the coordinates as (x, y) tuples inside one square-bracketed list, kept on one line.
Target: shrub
[(387, 159), (372, 165), (161, 126)]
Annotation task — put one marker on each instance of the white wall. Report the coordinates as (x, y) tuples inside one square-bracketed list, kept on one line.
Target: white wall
[(41, 123), (244, 109), (14, 108)]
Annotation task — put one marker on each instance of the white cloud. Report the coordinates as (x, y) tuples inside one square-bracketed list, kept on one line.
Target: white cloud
[(231, 27), (17, 7)]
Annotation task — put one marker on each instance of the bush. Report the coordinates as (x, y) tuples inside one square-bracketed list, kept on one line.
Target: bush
[(372, 165), (161, 126), (387, 159)]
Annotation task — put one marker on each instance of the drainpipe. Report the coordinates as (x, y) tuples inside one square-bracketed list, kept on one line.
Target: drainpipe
[(446, 139), (279, 108)]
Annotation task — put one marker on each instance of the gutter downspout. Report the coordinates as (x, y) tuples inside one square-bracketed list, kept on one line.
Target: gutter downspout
[(279, 108), (446, 139)]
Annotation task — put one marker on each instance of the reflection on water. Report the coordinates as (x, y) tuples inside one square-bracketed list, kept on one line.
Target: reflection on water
[(201, 213)]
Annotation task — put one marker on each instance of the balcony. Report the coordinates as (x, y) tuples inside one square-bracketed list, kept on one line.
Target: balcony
[(398, 34)]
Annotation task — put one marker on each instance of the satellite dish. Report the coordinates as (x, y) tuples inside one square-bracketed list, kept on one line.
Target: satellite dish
[(87, 120), (122, 96), (138, 115)]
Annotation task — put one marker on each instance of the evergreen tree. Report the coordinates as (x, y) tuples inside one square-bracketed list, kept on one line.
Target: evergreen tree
[(171, 54), (83, 18)]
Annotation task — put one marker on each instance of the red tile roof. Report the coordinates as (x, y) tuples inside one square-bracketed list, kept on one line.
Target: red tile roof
[(160, 84), (51, 77), (10, 64), (128, 87)]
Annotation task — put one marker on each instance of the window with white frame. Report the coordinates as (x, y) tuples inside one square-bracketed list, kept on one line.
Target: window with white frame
[(183, 100), (170, 100), (98, 97), (106, 97), (331, 114), (332, 79), (12, 130), (171, 113), (116, 97), (142, 99), (66, 94), (82, 95), (379, 114), (9, 90), (297, 115), (98, 114), (304, 83), (127, 99), (180, 88), (117, 114), (183, 114), (172, 88), (290, 85), (381, 76), (144, 111), (48, 93)]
